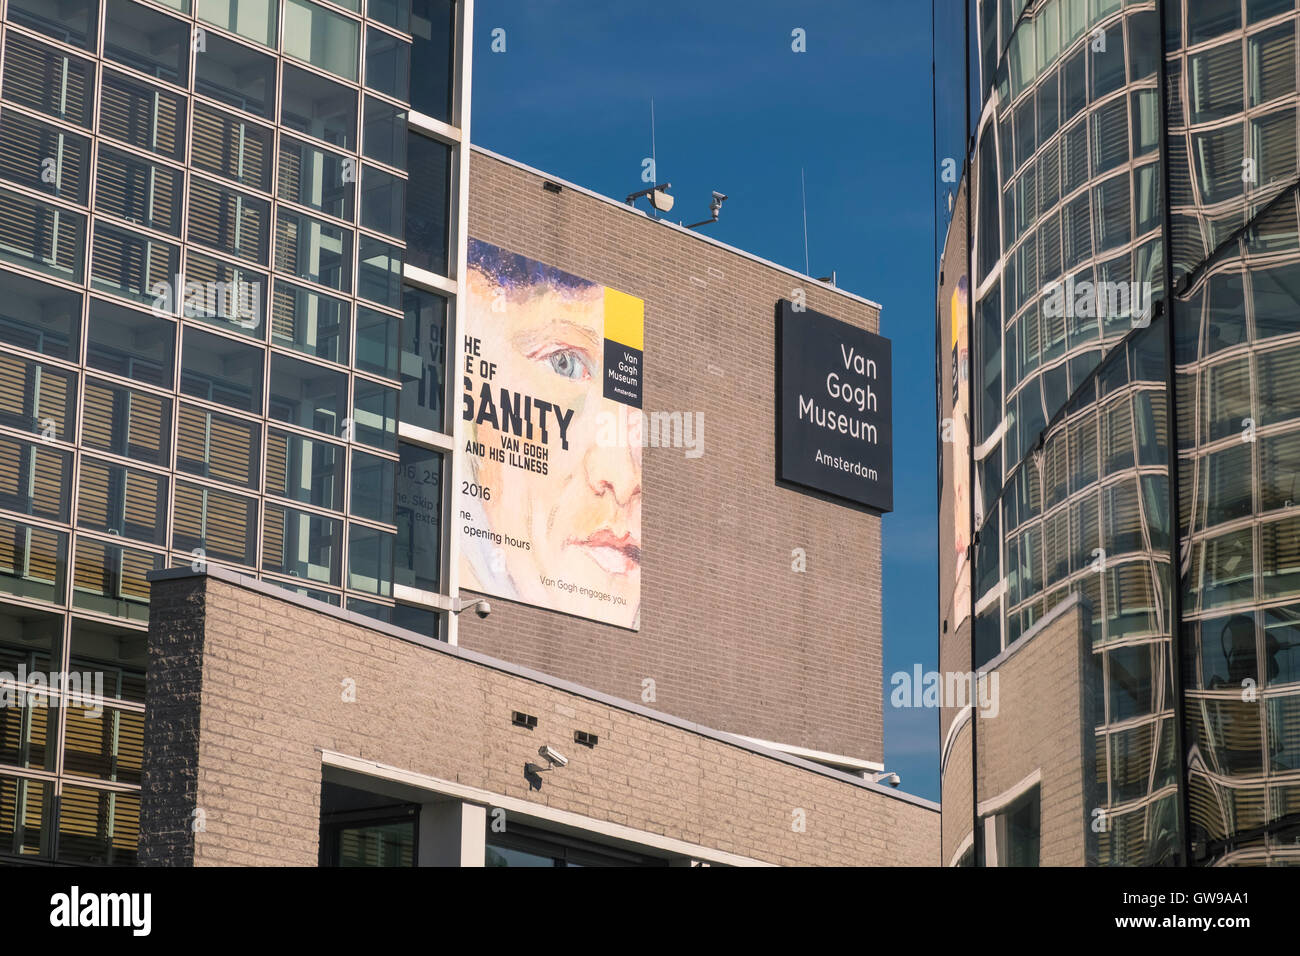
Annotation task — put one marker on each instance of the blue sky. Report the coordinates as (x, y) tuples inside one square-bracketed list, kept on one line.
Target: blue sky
[(737, 111)]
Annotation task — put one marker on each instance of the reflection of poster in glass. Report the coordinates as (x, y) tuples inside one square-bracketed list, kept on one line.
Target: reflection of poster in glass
[(419, 496), (959, 369), (549, 507)]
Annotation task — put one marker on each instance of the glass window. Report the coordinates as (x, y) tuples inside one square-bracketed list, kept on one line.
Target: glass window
[(428, 208), (309, 322), (33, 561), (319, 107), (370, 560), (222, 447), (103, 742), (1207, 19), (385, 133), (73, 22), (116, 652), (99, 827), (224, 294), (228, 220), (424, 361), (388, 64), (222, 370), (312, 177), (29, 834), (127, 422), (131, 343), (322, 38), (1279, 559), (254, 19), (38, 316), (304, 469), (372, 487), (433, 26), (35, 479), (40, 156), (314, 250), (374, 415), (150, 42), (132, 265), (418, 555), (397, 13), (221, 524), (27, 736), (37, 398), (231, 147), (143, 193), (308, 395), (305, 545), (124, 501), (383, 200), (378, 346), (43, 237), (235, 75), (143, 115), (111, 579), (379, 272), (49, 80)]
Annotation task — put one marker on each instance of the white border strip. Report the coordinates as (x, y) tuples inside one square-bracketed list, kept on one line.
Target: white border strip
[(523, 808), (852, 764)]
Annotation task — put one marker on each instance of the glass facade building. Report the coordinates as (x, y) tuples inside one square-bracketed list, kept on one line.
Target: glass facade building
[(1129, 174), (225, 313)]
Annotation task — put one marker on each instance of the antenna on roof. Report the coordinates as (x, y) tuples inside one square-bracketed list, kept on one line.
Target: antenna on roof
[(803, 178)]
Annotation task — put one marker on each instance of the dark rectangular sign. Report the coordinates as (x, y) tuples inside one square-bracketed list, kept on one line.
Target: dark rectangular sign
[(834, 407)]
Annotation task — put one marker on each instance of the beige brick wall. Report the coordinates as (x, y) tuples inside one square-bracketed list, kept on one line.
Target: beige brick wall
[(270, 699), (731, 636), (955, 787), (1043, 723)]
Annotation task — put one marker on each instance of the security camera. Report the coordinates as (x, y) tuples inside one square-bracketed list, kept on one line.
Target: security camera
[(719, 197), (893, 780), (553, 757), (481, 608), (888, 777)]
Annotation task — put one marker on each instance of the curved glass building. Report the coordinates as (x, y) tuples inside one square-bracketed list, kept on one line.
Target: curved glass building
[(1119, 364)]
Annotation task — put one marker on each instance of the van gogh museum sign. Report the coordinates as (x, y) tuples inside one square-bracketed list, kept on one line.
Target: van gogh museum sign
[(834, 409)]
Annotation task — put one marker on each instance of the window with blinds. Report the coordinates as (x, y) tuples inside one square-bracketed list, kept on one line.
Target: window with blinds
[(223, 524), (108, 746), (111, 579), (49, 80), (139, 191), (25, 816), (63, 169), (34, 480), (231, 296), (217, 446), (1279, 558), (33, 561), (315, 178), (229, 221), (43, 237), (98, 826), (231, 147), (143, 115), (300, 544), (124, 501), (129, 264), (24, 735), (126, 422)]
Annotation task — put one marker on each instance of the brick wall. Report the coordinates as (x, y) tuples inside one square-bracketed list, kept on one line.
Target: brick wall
[(731, 636), (259, 674), (1043, 723)]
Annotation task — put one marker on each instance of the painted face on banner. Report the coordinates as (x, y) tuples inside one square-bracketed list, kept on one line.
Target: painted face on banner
[(581, 519)]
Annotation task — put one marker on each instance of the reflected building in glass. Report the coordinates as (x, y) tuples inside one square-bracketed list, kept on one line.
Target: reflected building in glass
[(224, 318), (1118, 351)]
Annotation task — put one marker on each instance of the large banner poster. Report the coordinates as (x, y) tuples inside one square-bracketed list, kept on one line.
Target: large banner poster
[(550, 505)]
